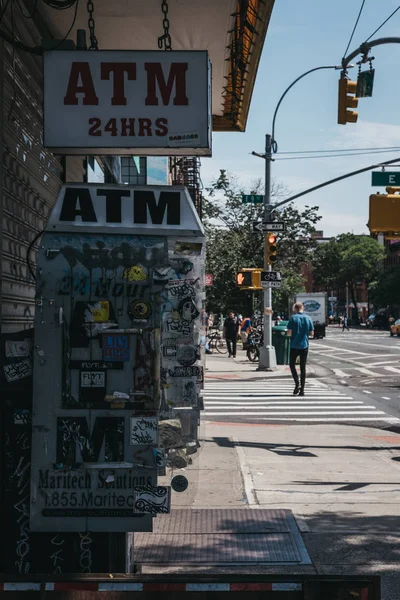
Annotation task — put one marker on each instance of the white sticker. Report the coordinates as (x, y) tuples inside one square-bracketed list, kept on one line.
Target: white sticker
[(17, 348), (143, 430), (18, 370), (93, 379), (152, 500)]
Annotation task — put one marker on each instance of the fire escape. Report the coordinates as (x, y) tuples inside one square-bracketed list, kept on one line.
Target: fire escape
[(185, 171)]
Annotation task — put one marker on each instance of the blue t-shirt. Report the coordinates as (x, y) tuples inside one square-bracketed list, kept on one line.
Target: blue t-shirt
[(300, 326)]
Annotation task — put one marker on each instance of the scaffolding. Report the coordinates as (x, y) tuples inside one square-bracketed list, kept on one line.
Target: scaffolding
[(185, 171)]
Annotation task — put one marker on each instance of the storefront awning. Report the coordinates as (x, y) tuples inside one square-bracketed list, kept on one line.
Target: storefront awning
[(233, 32)]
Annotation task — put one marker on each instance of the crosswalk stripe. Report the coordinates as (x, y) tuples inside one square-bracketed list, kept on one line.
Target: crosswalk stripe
[(324, 403), (272, 400), (289, 413), (367, 372), (278, 396), (392, 369)]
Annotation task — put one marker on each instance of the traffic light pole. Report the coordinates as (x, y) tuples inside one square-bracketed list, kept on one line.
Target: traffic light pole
[(267, 352)]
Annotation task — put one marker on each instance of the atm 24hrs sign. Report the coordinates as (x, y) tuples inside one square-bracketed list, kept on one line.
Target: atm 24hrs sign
[(129, 100)]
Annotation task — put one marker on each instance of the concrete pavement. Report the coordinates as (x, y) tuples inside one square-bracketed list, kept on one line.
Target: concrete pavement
[(341, 482)]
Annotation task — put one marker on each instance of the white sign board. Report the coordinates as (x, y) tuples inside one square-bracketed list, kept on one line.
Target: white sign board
[(271, 284), (135, 210), (271, 279), (123, 102)]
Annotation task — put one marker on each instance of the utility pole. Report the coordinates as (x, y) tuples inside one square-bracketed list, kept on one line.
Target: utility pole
[(267, 352)]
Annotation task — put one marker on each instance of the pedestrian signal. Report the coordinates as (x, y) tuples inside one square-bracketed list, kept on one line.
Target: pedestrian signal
[(270, 248), (244, 279), (347, 99)]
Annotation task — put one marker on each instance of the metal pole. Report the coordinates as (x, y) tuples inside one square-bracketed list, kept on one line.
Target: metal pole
[(267, 352)]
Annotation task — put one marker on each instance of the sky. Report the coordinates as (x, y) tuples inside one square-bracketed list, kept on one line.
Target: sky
[(301, 36)]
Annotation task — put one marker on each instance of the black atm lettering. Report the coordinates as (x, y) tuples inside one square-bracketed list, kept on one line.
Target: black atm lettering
[(73, 432), (78, 203), (113, 203), (169, 202)]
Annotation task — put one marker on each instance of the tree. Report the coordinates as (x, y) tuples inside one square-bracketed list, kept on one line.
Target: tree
[(347, 260), (385, 290), (232, 244)]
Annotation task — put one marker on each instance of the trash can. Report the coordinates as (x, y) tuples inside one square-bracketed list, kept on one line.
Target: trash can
[(281, 343)]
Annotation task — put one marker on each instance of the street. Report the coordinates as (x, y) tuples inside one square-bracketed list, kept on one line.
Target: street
[(354, 377)]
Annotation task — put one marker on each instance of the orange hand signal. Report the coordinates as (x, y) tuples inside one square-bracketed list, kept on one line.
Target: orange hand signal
[(240, 278)]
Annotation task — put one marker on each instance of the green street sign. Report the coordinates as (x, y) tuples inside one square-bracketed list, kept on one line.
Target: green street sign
[(252, 199), (384, 178)]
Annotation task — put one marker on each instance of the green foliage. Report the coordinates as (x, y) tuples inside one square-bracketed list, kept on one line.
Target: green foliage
[(348, 260), (232, 245), (385, 290)]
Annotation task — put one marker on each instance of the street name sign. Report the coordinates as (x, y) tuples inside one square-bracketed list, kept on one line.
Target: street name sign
[(383, 178), (272, 226), (271, 279), (252, 198)]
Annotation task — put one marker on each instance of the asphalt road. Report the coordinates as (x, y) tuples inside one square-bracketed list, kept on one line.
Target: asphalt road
[(365, 362), (357, 382)]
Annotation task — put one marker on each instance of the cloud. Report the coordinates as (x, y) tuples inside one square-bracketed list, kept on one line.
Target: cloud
[(367, 134), (335, 223), (246, 171)]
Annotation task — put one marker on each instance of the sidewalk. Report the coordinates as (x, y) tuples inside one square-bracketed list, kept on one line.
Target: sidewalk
[(219, 366), (341, 482)]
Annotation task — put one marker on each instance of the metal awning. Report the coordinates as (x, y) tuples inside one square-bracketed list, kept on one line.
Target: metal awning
[(233, 32)]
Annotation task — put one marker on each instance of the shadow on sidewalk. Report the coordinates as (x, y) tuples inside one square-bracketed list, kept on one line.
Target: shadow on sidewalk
[(299, 449)]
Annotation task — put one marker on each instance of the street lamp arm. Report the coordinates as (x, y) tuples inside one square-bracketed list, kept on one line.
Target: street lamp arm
[(321, 185), (365, 48), (273, 142)]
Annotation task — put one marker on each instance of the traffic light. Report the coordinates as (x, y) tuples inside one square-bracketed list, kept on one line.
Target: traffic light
[(249, 279), (384, 211), (347, 99), (244, 279), (270, 248)]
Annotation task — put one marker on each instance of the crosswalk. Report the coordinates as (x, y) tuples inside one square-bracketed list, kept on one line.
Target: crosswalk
[(382, 371), (272, 400)]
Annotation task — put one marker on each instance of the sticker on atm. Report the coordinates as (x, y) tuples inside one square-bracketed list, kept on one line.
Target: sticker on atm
[(116, 347), (101, 311)]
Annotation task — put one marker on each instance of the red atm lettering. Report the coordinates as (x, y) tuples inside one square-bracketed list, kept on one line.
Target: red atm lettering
[(159, 85)]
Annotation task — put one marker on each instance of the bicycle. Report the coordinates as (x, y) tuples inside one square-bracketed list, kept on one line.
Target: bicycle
[(217, 342)]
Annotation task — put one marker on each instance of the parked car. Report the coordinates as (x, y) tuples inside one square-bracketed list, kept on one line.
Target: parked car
[(378, 321), (395, 328)]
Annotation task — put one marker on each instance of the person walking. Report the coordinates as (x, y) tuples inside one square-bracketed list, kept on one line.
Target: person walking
[(231, 328), (300, 328), (345, 324)]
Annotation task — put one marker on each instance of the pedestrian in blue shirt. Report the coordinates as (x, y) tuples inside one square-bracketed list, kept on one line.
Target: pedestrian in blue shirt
[(300, 328)]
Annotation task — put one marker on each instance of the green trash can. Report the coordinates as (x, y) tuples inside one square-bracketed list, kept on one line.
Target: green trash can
[(281, 343)]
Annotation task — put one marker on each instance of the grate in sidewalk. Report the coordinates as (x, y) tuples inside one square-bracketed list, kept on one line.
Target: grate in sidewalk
[(222, 536)]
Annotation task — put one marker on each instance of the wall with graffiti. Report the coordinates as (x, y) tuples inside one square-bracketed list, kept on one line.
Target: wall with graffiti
[(117, 370)]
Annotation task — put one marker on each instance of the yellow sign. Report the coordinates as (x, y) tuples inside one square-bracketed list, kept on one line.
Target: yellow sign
[(135, 273), (101, 312)]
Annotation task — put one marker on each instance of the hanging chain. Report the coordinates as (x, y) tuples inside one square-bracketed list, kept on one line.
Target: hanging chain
[(164, 41), (94, 45)]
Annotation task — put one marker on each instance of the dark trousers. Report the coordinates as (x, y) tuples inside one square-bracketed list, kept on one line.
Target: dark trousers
[(294, 353), (231, 343), (345, 327)]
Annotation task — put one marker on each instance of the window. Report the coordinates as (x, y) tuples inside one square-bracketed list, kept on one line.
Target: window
[(134, 170), (94, 171)]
